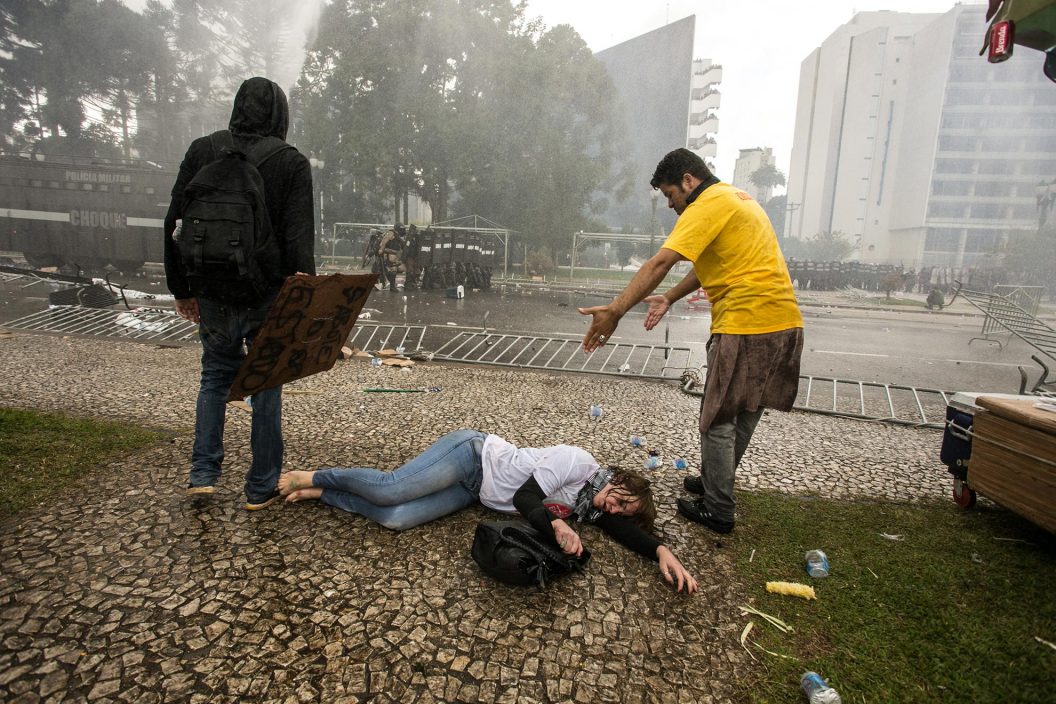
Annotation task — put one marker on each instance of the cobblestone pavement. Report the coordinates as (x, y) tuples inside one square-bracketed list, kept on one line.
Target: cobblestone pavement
[(125, 591)]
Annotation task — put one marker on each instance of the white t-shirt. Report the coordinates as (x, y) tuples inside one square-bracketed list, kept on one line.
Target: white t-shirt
[(560, 471)]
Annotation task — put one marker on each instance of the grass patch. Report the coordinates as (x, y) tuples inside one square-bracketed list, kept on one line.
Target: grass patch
[(42, 454), (952, 613), (908, 302)]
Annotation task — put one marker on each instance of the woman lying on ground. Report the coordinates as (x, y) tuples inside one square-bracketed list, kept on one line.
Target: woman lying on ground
[(467, 466)]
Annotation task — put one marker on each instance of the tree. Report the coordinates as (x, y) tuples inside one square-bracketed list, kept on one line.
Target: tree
[(828, 246), (465, 103), (71, 72), (766, 178), (776, 209)]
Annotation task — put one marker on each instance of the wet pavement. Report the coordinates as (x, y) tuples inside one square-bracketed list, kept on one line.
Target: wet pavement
[(846, 335), (123, 590)]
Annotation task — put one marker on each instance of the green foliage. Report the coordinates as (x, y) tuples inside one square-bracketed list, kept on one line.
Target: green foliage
[(776, 210), (827, 246), (767, 176), (43, 454), (948, 613), (434, 95), (1030, 257), (539, 263)]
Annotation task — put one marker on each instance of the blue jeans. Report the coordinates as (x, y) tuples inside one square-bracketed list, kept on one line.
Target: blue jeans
[(443, 479), (223, 329), (721, 449)]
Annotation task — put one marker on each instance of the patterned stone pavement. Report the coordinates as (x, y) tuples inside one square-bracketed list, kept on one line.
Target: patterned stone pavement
[(125, 591)]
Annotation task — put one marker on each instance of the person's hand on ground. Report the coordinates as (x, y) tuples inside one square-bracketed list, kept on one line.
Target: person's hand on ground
[(567, 539), (674, 573)]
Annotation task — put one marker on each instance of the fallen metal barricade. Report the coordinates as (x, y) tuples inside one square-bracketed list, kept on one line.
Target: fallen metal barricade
[(559, 353), (381, 336), (142, 325), (864, 400)]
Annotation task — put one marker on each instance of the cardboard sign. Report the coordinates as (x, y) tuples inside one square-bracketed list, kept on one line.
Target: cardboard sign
[(304, 331)]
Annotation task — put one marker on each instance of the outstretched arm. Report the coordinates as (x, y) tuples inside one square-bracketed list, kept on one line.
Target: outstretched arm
[(629, 534), (607, 317), (659, 303)]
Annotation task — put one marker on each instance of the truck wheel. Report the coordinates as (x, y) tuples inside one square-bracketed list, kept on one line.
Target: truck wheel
[(962, 495)]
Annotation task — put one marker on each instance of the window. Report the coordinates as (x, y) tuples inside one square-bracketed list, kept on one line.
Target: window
[(951, 188), (126, 189), (942, 239), (956, 144), (945, 210), (987, 211), (990, 189), (954, 166)]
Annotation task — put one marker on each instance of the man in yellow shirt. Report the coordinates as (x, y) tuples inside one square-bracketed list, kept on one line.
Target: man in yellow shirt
[(756, 327)]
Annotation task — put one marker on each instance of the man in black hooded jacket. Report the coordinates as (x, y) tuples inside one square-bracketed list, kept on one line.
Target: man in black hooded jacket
[(226, 330)]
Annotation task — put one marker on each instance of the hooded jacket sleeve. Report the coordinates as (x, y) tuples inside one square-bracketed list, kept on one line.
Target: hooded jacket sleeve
[(296, 232), (174, 275)]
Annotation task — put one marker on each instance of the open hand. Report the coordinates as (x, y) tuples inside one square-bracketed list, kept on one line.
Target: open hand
[(601, 328), (658, 306)]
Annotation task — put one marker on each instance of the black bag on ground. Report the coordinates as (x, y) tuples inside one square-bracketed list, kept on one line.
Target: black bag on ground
[(227, 247), (516, 553)]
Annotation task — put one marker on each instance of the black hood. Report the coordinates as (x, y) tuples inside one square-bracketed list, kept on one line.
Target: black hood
[(260, 110)]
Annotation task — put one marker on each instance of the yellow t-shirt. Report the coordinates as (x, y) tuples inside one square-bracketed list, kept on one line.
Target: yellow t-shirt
[(738, 262)]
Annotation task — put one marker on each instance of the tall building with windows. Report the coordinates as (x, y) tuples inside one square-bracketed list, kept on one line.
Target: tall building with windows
[(668, 100), (914, 146)]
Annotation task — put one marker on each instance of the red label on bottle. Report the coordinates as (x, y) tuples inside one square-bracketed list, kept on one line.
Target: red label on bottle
[(1001, 38)]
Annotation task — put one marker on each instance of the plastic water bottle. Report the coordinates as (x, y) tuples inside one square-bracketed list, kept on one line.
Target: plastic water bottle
[(595, 411), (178, 231), (817, 563), (375, 361), (653, 461), (679, 463), (637, 440), (818, 690)]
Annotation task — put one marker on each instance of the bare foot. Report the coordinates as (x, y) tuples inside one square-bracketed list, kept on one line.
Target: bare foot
[(303, 495), (292, 481)]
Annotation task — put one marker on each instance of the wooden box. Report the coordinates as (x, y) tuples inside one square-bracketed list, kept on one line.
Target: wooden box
[(1014, 457)]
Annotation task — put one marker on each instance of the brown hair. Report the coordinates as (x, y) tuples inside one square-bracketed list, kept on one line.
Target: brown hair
[(630, 484)]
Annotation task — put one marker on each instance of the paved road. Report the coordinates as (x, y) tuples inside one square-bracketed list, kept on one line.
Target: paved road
[(123, 591)]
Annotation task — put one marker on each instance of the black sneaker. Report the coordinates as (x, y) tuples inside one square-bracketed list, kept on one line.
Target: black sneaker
[(694, 510), (256, 505), (694, 485)]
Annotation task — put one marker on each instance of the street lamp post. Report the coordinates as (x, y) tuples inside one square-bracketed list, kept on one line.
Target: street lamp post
[(317, 167), (653, 224)]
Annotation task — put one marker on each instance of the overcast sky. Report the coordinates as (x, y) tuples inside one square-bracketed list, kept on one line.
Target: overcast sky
[(759, 43)]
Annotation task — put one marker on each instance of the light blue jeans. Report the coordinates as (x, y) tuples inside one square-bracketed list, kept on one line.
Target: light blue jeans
[(442, 480), (223, 329)]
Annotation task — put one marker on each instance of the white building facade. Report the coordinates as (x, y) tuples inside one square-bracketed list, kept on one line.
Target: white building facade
[(703, 109), (914, 146), (748, 162)]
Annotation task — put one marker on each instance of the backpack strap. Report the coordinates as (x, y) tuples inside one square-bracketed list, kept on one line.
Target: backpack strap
[(264, 149), (221, 140)]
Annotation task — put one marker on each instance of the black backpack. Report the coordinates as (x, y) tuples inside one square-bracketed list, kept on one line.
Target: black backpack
[(516, 553), (227, 247)]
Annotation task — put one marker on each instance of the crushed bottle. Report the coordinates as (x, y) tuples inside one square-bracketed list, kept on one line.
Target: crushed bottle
[(816, 563), (637, 441), (679, 463), (595, 411), (818, 690)]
